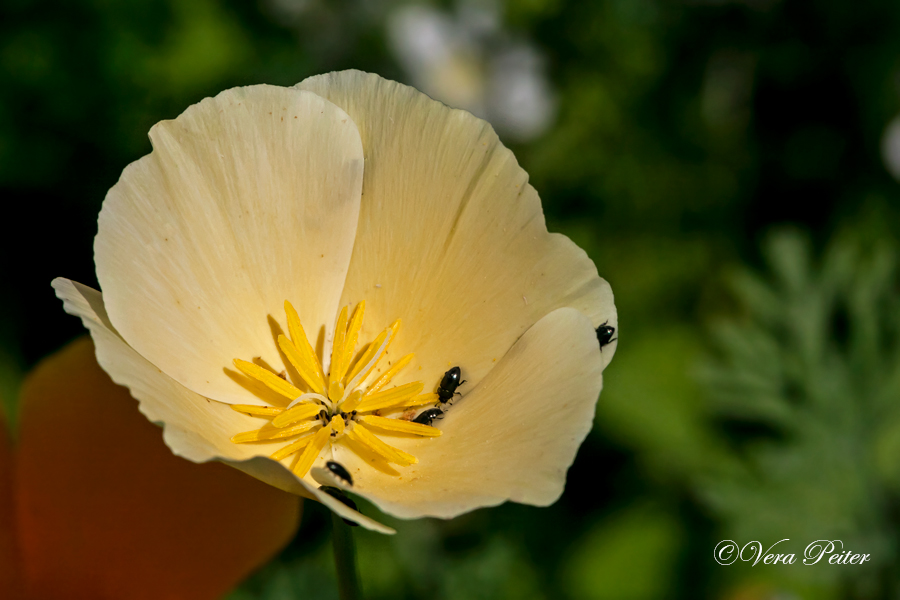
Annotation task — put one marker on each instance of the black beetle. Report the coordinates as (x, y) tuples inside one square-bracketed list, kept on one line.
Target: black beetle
[(338, 495), (339, 471), (605, 334), (449, 383), (427, 416)]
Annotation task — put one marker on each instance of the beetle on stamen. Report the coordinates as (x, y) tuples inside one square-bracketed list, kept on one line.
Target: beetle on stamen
[(427, 416), (342, 405)]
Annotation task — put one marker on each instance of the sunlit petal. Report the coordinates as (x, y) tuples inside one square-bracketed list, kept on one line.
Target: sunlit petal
[(248, 198), (511, 438), (452, 237)]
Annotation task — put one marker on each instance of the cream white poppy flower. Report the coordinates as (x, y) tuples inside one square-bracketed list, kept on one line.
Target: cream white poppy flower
[(287, 256)]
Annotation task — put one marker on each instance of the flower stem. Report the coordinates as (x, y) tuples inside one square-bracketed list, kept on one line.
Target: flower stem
[(345, 559)]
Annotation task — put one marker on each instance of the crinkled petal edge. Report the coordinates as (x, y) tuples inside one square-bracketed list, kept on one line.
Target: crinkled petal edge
[(87, 304)]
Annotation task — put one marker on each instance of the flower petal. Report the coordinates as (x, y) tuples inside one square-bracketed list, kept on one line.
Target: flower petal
[(194, 427), (452, 237), (202, 427), (106, 509), (248, 199), (511, 438)]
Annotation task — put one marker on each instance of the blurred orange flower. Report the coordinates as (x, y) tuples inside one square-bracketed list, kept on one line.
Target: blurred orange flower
[(93, 505)]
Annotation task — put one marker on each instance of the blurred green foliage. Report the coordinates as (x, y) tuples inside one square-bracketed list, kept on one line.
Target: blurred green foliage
[(808, 384), (686, 131), (641, 542)]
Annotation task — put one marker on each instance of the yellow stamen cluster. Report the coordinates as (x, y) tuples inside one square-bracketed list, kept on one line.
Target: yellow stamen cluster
[(337, 406)]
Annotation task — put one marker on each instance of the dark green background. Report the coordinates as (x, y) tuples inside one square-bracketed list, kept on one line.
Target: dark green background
[(720, 162)]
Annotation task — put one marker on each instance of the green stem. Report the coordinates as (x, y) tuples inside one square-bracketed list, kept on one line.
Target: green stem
[(345, 559)]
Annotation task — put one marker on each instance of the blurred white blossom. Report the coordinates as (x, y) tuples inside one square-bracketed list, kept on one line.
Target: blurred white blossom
[(890, 147), (467, 60)]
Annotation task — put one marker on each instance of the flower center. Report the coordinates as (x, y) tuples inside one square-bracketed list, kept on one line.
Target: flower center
[(338, 407)]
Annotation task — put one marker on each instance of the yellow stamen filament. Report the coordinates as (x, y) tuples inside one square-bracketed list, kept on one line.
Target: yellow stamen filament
[(335, 389), (352, 401), (337, 424), (369, 456), (311, 397), (311, 452), (401, 426), (257, 411), (395, 328), (292, 448), (346, 415), (300, 412), (393, 455), (352, 335), (391, 397), (306, 366), (301, 342), (389, 374), (380, 352), (267, 377), (268, 432), (420, 400), (365, 361)]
